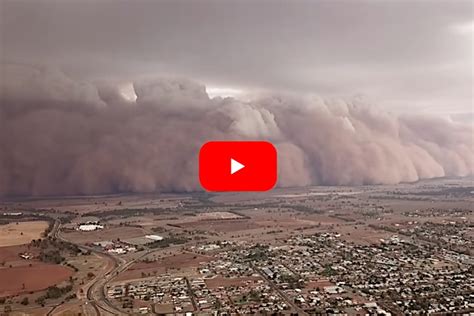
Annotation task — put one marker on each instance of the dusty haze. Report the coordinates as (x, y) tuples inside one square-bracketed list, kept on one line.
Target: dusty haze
[(410, 56), (62, 136)]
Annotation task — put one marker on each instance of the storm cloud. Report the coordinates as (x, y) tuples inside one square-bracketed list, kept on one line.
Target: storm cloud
[(407, 55), (62, 136)]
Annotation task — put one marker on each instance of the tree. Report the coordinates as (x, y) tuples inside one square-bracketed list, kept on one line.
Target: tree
[(25, 301), (40, 300)]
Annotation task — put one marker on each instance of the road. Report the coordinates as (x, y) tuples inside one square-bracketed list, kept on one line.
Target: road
[(95, 290), (277, 289)]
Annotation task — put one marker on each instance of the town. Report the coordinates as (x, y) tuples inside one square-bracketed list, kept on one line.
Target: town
[(387, 250), (313, 274)]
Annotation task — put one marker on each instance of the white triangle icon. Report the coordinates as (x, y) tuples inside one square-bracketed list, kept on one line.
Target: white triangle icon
[(235, 166)]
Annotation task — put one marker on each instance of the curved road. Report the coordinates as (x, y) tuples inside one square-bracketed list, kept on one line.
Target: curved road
[(95, 292)]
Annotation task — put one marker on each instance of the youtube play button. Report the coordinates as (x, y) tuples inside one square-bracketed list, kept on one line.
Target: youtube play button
[(238, 166), (235, 166)]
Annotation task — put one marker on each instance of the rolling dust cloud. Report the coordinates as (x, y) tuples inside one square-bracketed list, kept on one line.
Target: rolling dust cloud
[(59, 136)]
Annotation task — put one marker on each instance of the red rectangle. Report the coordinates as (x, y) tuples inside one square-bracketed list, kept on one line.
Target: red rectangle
[(238, 166)]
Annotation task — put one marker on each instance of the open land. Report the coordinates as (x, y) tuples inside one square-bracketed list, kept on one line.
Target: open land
[(401, 249), (25, 279), (21, 232)]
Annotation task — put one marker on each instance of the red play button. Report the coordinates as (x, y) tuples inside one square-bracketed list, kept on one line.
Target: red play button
[(238, 166)]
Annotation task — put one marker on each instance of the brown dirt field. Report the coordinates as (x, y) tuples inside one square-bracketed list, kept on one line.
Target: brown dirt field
[(362, 235), (286, 223), (182, 260), (179, 261), (323, 219), (35, 278), (40, 311), (220, 226), (21, 232), (164, 308), (12, 253), (136, 274), (225, 282), (104, 234), (69, 309), (217, 215), (318, 284)]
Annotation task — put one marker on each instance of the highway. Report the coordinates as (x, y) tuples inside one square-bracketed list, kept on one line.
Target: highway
[(95, 291)]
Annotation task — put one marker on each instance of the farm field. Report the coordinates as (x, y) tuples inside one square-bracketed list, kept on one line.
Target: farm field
[(104, 234), (26, 279), (179, 262), (10, 255), (18, 233)]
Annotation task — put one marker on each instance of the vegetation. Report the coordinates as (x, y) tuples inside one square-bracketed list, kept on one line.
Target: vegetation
[(257, 253), (291, 279), (166, 242), (48, 230), (54, 292), (328, 271), (52, 249)]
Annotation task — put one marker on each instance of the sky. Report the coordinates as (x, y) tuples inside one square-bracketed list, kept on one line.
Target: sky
[(414, 56)]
